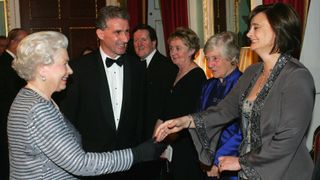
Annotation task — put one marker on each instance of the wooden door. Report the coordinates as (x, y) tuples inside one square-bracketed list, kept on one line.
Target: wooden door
[(74, 18)]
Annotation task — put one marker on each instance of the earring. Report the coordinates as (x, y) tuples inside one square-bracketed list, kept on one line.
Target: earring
[(43, 78)]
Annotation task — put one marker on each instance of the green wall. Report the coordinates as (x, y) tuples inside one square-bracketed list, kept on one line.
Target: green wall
[(2, 19)]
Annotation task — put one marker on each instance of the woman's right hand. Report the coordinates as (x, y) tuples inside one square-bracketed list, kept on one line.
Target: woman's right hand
[(213, 172), (172, 126)]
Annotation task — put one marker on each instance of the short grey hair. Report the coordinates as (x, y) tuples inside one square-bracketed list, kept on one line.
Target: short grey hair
[(227, 42), (110, 12), (37, 49)]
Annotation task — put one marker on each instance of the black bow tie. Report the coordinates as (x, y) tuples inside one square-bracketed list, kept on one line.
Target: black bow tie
[(110, 61)]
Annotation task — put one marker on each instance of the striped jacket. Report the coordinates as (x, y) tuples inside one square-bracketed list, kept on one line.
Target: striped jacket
[(44, 145)]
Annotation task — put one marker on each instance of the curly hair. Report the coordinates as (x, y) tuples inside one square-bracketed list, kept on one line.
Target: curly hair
[(36, 49)]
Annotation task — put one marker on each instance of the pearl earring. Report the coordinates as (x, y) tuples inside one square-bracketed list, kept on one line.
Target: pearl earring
[(43, 78)]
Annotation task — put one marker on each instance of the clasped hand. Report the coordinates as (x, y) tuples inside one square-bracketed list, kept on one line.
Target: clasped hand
[(226, 163), (169, 127)]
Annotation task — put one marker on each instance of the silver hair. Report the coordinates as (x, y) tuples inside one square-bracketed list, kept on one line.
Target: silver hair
[(227, 42), (37, 49)]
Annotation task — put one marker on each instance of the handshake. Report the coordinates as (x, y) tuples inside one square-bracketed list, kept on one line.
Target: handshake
[(153, 148)]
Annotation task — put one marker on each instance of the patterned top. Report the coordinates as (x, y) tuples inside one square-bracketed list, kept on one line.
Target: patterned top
[(246, 130), (44, 145), (246, 125)]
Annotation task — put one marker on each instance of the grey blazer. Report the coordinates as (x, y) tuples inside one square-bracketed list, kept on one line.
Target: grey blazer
[(284, 121)]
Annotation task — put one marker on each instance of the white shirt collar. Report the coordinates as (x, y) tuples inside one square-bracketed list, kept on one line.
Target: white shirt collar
[(150, 56), (104, 55), (11, 53)]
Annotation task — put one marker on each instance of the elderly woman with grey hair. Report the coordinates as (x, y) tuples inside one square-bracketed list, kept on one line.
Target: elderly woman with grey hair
[(222, 56), (42, 142)]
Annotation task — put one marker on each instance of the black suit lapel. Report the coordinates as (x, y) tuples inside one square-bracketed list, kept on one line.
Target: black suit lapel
[(105, 97), (153, 62), (127, 75)]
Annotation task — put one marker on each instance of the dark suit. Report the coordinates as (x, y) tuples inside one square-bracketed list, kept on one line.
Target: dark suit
[(10, 84), (161, 74), (88, 105)]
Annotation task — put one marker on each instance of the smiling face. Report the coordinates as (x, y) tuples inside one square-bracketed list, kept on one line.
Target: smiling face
[(219, 66), (179, 52), (114, 38), (261, 34), (57, 73), (143, 45)]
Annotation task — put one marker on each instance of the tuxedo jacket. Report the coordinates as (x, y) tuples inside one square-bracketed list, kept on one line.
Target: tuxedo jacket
[(160, 76), (88, 106)]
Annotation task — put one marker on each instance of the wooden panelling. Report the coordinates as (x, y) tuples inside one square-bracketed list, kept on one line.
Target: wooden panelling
[(86, 34), (86, 9), (40, 9), (74, 18)]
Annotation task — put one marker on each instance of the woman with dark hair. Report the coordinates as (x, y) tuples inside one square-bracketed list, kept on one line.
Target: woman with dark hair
[(274, 99)]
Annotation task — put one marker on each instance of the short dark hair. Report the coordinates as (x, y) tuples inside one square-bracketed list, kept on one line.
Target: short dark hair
[(285, 23), (152, 32), (14, 33), (110, 12)]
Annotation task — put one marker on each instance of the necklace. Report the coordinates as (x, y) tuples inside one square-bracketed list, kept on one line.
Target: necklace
[(182, 73)]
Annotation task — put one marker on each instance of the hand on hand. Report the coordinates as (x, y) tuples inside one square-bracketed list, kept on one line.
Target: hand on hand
[(229, 163), (169, 127)]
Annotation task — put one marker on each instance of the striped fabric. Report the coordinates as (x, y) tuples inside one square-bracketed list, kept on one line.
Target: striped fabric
[(44, 145)]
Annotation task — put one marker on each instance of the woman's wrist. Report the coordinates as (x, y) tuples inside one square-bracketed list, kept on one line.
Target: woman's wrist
[(188, 122)]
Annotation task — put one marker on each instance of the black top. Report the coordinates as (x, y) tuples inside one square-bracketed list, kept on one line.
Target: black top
[(160, 76), (182, 100)]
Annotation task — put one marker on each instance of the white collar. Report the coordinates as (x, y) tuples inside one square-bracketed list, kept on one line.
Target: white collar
[(104, 55), (149, 57), (11, 53)]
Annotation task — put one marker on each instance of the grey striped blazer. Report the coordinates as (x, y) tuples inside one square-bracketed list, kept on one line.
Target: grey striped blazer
[(44, 145)]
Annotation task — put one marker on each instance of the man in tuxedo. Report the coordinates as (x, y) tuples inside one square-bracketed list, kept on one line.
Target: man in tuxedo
[(160, 75), (10, 84), (104, 98)]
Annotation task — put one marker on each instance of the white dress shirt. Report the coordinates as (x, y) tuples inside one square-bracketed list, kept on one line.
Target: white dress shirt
[(149, 57), (115, 81)]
